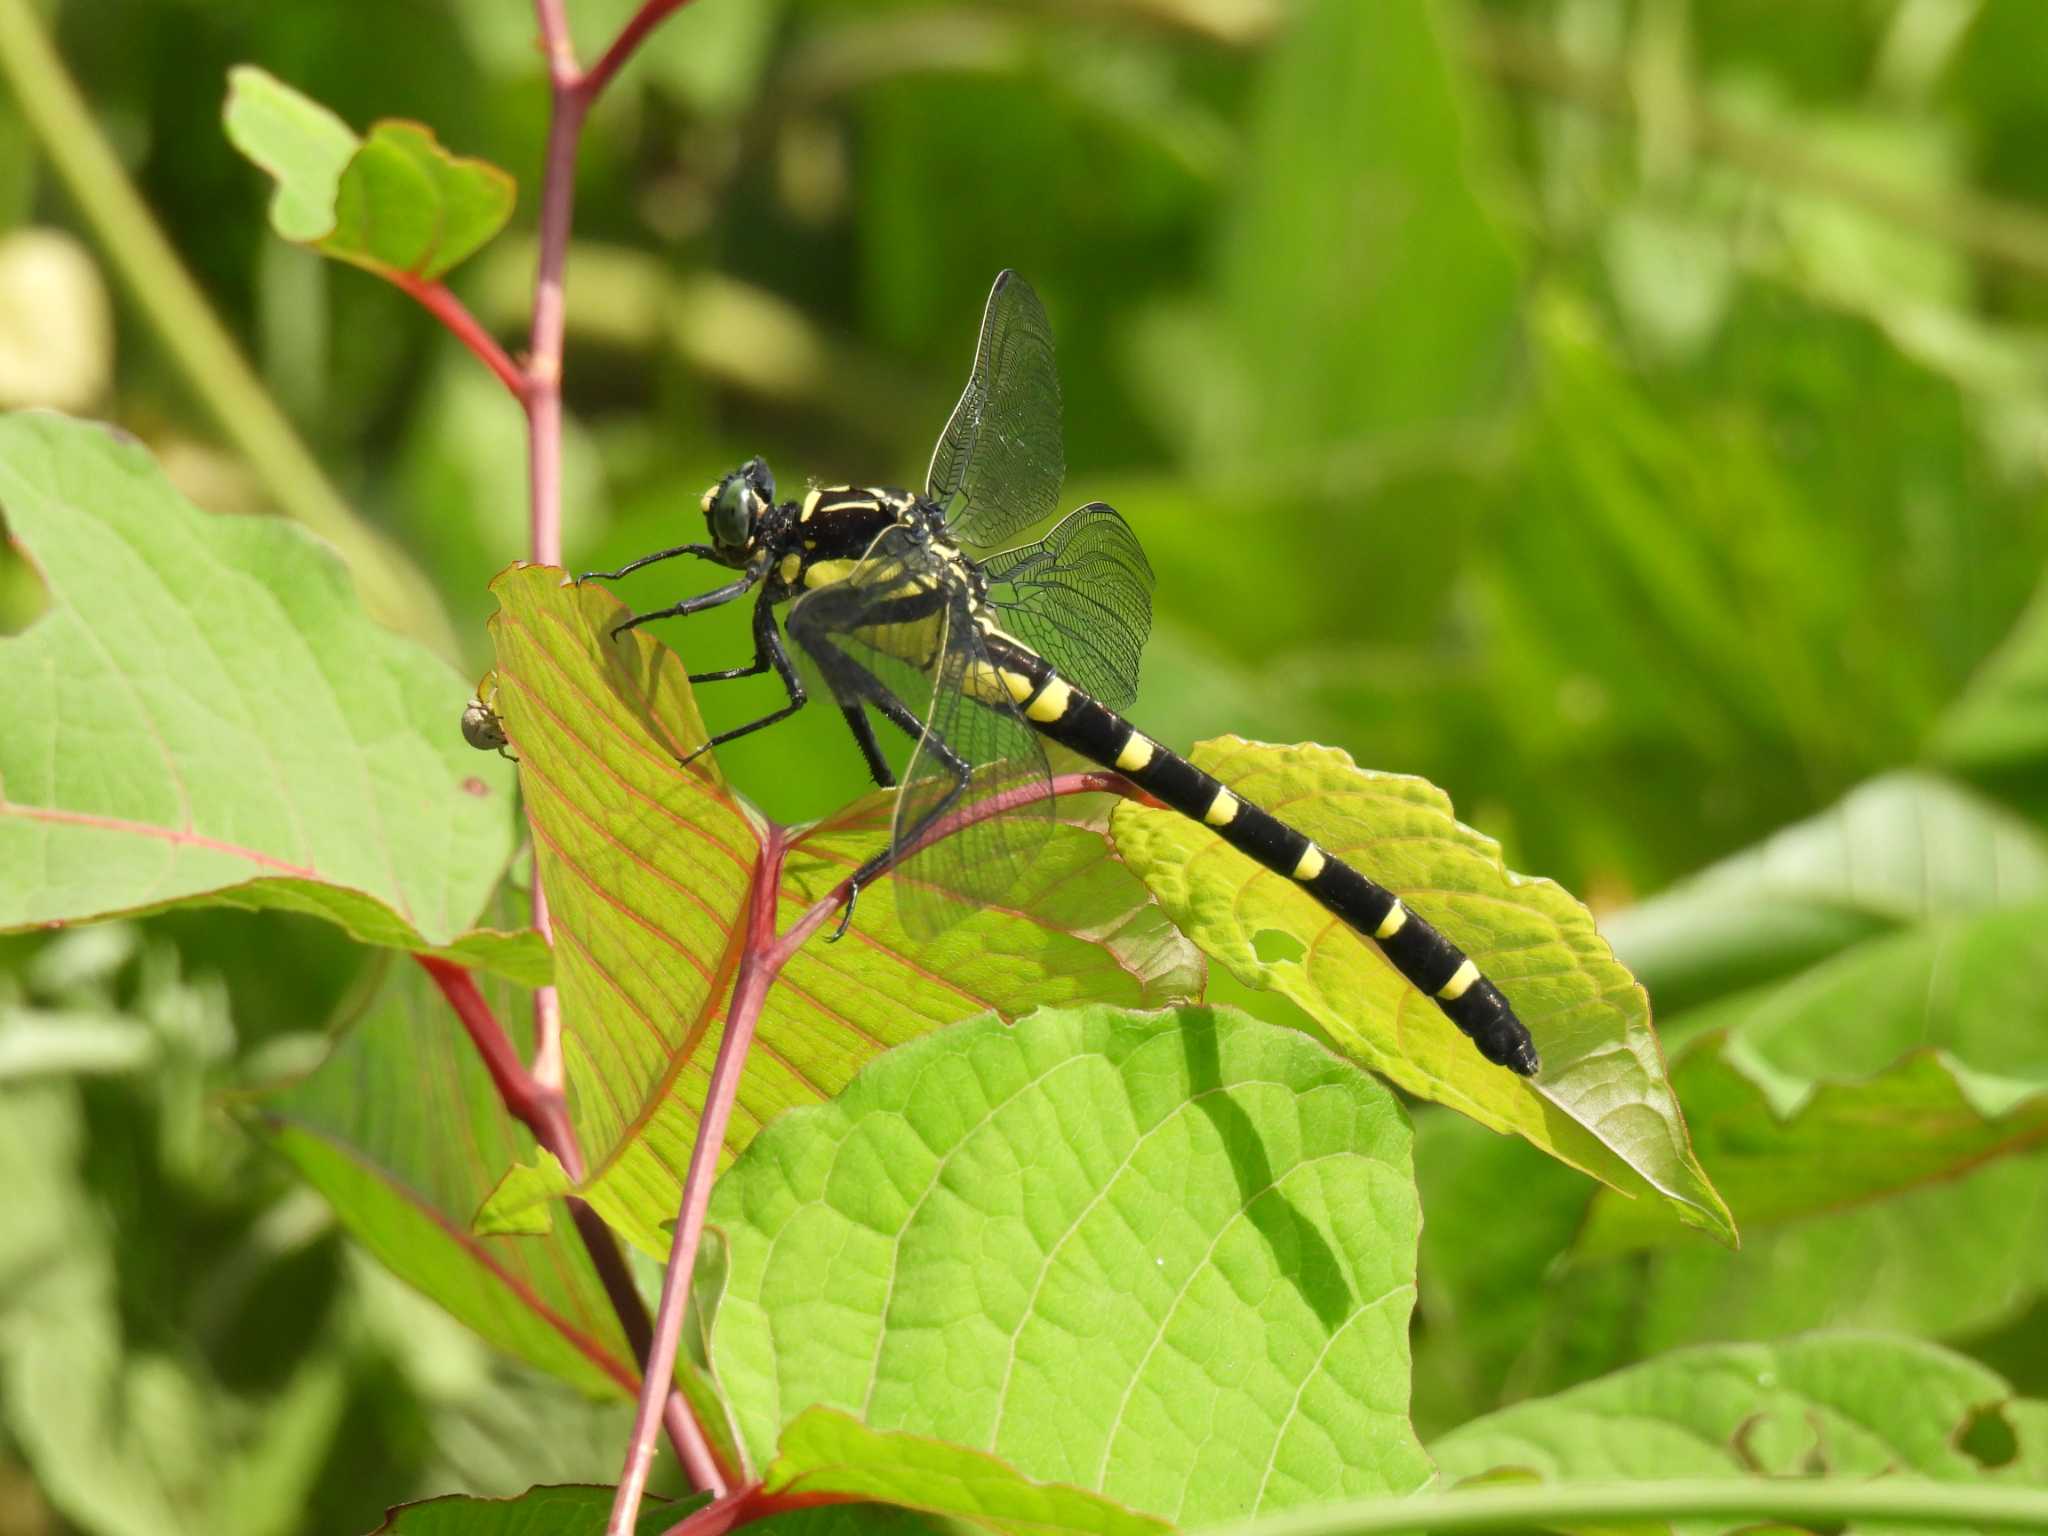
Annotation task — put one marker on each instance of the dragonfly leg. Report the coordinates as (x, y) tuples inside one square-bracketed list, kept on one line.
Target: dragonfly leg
[(771, 642), (702, 551), (893, 711), (768, 651), (864, 738), (716, 597)]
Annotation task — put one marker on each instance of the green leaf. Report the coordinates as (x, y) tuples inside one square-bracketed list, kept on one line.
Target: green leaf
[(205, 714), (563, 1510), (395, 202), (1363, 284), (1902, 849), (1846, 1405), (518, 1205), (828, 1453), (1847, 1144), (1996, 733), (1876, 1123), (1168, 1258), (647, 867), (403, 1132), (1601, 1104), (1948, 1260)]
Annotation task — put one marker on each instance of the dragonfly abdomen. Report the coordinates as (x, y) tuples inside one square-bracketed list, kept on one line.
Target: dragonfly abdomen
[(1413, 946)]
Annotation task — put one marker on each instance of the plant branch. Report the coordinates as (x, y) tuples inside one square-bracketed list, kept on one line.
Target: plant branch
[(442, 304), (650, 15), (1574, 1506), (193, 336), (543, 1111), (536, 1106), (762, 958)]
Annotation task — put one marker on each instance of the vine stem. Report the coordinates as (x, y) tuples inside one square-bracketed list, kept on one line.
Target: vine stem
[(1822, 1502), (1567, 1506), (762, 958)]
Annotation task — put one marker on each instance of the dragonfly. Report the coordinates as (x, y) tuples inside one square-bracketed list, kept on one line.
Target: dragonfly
[(902, 598)]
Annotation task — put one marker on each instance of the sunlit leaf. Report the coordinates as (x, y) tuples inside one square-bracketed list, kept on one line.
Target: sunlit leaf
[(1848, 1405), (828, 1453), (1602, 1102), (403, 1132), (647, 866), (205, 714), (394, 202), (1165, 1257)]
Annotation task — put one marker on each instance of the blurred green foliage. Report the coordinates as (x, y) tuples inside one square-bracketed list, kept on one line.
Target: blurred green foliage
[(1628, 414)]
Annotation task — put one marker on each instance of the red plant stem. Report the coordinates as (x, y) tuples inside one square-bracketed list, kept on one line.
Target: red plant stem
[(757, 969), (540, 391), (645, 20), (539, 1108), (743, 1506), (439, 302), (542, 1110), (762, 958)]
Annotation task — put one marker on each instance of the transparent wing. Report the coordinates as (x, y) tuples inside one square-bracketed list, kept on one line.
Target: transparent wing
[(1082, 598), (899, 635), (998, 465)]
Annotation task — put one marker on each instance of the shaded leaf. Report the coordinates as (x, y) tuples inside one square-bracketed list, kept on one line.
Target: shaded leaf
[(1601, 1103), (1846, 1405), (403, 1133), (1996, 733), (206, 714), (1165, 1257), (1902, 849), (1848, 1144), (1946, 1260), (563, 1510), (824, 1452), (647, 867), (394, 202)]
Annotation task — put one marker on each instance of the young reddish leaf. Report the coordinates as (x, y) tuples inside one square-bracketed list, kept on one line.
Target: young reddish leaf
[(647, 866), (205, 714), (1602, 1103), (1165, 1257), (395, 202)]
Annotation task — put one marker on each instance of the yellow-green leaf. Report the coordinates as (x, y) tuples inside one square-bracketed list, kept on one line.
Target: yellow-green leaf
[(1603, 1102), (647, 866)]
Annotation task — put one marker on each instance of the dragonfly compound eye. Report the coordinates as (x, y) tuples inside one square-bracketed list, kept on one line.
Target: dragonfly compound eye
[(731, 513)]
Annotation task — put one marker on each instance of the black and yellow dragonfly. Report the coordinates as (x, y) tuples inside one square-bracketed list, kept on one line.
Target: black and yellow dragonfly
[(902, 599)]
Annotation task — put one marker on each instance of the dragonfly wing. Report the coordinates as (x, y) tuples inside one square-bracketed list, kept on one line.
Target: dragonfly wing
[(898, 633), (998, 465), (1082, 598)]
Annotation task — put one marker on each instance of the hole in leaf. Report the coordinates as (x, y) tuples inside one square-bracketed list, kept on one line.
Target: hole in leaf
[(23, 597), (1277, 948), (1988, 1438)]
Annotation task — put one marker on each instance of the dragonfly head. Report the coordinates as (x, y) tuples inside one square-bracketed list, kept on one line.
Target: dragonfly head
[(733, 508)]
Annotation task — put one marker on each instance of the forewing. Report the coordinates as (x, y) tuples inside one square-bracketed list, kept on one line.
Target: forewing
[(1082, 598), (898, 633), (998, 465)]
